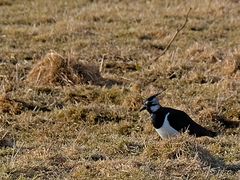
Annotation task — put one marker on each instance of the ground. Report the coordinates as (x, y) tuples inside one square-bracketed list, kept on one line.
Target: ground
[(89, 130)]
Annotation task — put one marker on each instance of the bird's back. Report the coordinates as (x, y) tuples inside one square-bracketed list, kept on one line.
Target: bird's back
[(180, 121)]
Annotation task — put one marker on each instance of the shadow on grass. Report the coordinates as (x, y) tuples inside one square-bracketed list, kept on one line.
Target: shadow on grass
[(226, 123), (215, 162)]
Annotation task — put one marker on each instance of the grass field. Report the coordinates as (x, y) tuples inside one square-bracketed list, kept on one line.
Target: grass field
[(70, 121)]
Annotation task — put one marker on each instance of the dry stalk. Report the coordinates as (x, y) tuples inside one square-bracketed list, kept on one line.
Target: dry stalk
[(174, 36), (101, 64)]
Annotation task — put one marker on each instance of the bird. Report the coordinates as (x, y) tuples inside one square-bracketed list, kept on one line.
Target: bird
[(170, 122)]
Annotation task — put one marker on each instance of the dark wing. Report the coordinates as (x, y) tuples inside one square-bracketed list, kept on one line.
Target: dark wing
[(182, 122), (158, 118)]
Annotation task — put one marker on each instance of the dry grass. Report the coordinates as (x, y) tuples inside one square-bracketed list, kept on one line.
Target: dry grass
[(53, 69), (60, 118)]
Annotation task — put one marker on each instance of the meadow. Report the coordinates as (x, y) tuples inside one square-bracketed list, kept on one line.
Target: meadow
[(74, 74)]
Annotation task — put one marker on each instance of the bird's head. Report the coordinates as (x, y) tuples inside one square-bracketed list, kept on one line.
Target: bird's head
[(151, 104)]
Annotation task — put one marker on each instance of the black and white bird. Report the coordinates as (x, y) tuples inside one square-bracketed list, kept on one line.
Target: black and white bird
[(170, 122)]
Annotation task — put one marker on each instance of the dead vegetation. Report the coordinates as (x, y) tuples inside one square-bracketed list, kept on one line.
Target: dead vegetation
[(54, 69), (63, 118)]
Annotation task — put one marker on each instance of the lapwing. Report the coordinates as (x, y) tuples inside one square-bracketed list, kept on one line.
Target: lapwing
[(170, 122)]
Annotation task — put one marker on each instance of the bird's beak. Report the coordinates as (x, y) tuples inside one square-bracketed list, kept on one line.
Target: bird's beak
[(143, 108)]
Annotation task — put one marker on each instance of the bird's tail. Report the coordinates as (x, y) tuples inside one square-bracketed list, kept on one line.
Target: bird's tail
[(202, 131), (207, 132), (211, 133)]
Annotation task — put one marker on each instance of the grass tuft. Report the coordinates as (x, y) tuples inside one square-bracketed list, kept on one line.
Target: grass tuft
[(54, 69)]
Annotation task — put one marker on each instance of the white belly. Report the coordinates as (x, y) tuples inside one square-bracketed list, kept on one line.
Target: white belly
[(166, 131)]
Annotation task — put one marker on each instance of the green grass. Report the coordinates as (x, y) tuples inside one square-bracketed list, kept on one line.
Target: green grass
[(92, 131)]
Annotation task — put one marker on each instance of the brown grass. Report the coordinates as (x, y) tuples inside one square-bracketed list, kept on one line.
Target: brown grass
[(8, 106), (60, 118), (54, 69)]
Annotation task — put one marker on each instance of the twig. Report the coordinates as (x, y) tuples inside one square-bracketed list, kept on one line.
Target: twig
[(13, 157), (175, 35), (209, 6), (101, 64)]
